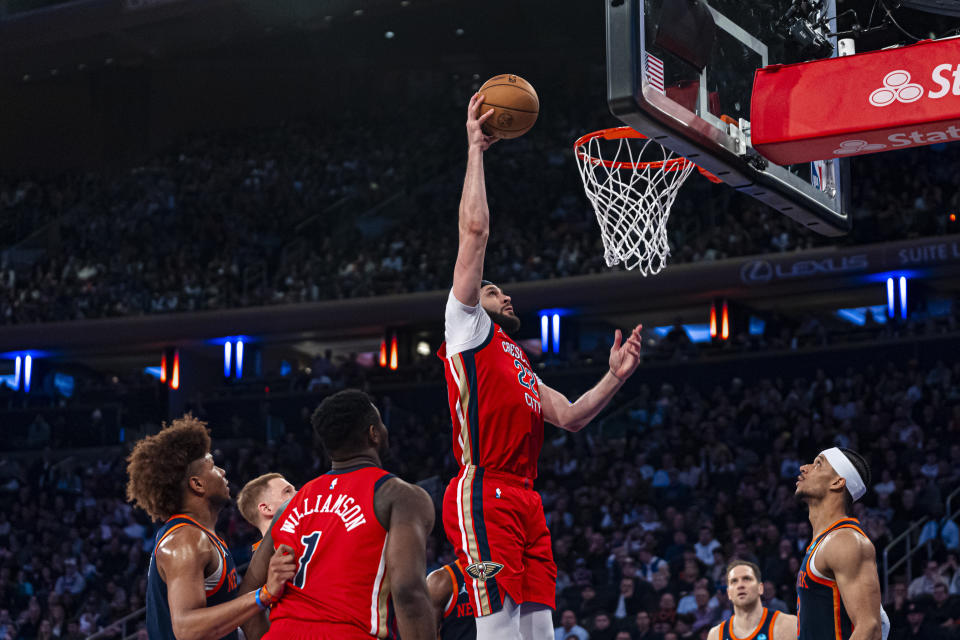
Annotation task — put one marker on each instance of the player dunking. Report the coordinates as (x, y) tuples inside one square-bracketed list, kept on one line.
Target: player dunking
[(491, 514), (192, 583), (838, 590), (750, 618), (360, 535)]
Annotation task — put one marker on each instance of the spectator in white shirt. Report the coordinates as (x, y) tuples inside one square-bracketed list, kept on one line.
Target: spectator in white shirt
[(705, 546), (932, 468), (71, 581), (649, 563), (925, 583)]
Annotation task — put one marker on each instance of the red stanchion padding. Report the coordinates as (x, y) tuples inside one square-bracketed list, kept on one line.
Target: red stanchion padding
[(866, 103)]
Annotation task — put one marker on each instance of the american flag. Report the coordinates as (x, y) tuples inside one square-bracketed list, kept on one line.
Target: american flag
[(653, 68)]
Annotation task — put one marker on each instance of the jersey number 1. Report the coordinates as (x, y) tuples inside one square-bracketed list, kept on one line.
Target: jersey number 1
[(309, 547)]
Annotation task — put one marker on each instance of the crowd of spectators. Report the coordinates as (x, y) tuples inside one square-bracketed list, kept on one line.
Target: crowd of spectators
[(306, 212), (645, 508)]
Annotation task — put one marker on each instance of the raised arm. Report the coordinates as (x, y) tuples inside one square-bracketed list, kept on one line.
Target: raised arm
[(853, 561), (408, 513), (573, 416), (474, 213)]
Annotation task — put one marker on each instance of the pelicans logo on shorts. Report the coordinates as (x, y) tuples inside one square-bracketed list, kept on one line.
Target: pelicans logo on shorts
[(484, 570)]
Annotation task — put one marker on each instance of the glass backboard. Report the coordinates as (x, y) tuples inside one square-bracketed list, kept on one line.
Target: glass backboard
[(657, 88)]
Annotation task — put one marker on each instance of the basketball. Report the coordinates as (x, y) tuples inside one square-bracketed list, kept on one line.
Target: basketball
[(515, 105)]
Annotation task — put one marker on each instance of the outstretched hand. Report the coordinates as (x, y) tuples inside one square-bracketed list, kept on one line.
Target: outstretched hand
[(476, 138), (625, 356)]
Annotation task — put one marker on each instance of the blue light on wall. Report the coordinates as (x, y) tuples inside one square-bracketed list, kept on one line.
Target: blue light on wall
[(232, 354), (556, 333), (903, 298), (27, 370), (890, 298), (239, 359), (550, 329), (16, 373)]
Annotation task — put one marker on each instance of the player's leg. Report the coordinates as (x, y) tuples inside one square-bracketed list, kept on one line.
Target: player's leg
[(502, 625), (484, 525), (539, 575), (536, 621)]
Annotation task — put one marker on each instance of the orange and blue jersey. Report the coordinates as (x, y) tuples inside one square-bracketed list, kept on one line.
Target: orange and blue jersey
[(220, 587), (820, 609), (458, 617), (764, 630)]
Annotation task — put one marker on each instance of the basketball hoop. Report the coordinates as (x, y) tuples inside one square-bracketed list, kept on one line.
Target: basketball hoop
[(632, 197)]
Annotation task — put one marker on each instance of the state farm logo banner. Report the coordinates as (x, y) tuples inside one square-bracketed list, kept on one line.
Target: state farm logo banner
[(867, 103)]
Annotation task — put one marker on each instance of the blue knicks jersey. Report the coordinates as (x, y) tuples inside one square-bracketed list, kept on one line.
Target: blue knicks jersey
[(458, 618), (820, 610), (764, 630), (220, 586)]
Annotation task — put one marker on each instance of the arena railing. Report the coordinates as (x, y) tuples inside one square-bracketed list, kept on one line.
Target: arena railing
[(951, 513), (110, 630), (907, 555), (911, 549)]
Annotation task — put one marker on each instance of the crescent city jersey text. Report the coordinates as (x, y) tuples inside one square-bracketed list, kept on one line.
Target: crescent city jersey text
[(494, 400), (342, 577)]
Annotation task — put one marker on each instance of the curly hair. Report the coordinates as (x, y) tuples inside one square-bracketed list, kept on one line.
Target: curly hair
[(341, 421), (158, 466)]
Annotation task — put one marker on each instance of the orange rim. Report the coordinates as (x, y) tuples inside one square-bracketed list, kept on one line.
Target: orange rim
[(622, 133)]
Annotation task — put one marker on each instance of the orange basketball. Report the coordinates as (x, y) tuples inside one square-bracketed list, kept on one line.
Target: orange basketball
[(515, 105)]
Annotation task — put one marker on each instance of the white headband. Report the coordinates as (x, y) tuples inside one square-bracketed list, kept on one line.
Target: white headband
[(842, 465)]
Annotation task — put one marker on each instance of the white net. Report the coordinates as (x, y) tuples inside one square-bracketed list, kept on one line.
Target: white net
[(632, 203)]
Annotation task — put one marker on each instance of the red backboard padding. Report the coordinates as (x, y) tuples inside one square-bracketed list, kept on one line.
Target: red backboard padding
[(865, 103)]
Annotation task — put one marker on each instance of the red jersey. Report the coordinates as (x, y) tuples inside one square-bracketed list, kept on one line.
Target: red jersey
[(494, 400), (342, 578)]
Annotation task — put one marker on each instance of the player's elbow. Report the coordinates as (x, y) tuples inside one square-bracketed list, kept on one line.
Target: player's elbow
[(568, 419), (870, 628), (189, 632), (573, 425), (475, 226)]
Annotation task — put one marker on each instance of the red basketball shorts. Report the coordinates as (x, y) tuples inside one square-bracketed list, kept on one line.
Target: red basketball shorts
[(495, 522)]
